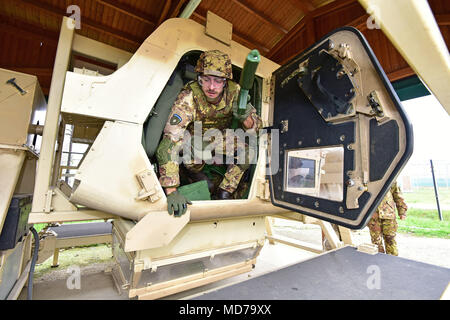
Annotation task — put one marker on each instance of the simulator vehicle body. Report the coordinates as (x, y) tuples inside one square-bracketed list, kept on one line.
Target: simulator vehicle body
[(335, 137)]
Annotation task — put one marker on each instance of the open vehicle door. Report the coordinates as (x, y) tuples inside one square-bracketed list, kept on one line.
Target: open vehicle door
[(343, 135)]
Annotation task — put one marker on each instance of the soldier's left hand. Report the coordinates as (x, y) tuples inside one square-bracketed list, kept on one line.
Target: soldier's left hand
[(402, 217)]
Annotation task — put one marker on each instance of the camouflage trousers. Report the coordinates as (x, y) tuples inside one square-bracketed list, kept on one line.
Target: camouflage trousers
[(231, 178), (238, 156), (384, 229), (239, 153)]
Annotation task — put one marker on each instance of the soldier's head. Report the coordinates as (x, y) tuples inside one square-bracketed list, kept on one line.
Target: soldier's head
[(214, 68)]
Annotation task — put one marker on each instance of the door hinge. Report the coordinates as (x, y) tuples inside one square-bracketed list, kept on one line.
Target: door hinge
[(149, 189), (263, 190)]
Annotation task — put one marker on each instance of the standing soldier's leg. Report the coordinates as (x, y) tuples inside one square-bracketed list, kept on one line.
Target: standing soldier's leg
[(389, 233), (375, 233)]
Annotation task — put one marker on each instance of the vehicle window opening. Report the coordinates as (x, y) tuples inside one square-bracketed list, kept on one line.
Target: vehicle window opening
[(316, 172), (158, 116)]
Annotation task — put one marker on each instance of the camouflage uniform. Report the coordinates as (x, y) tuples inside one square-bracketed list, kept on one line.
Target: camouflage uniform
[(192, 107), (383, 222)]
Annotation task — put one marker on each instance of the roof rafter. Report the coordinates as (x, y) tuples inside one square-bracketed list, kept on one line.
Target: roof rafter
[(261, 16), (143, 17), (305, 5), (164, 12), (28, 31), (177, 9), (244, 39), (283, 41), (443, 19), (86, 22)]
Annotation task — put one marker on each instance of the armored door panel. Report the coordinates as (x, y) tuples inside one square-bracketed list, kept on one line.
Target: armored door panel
[(343, 136)]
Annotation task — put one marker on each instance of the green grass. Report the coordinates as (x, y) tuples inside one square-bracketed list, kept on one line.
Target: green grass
[(77, 256), (426, 223), (39, 226), (425, 195)]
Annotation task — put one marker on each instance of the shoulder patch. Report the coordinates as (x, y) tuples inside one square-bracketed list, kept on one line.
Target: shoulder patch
[(176, 119)]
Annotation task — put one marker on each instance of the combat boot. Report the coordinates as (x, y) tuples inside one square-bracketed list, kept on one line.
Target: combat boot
[(223, 195)]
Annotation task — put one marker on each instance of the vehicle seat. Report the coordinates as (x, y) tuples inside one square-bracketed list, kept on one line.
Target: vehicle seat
[(154, 126)]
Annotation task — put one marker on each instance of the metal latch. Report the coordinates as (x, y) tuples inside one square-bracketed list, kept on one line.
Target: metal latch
[(149, 191), (284, 126), (375, 104)]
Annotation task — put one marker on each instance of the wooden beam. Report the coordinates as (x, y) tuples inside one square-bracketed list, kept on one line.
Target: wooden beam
[(305, 5), (332, 6), (39, 72), (283, 41), (132, 12), (177, 9), (360, 23), (261, 16), (400, 74), (308, 22), (443, 19), (249, 43), (85, 22), (27, 31), (243, 39), (164, 13)]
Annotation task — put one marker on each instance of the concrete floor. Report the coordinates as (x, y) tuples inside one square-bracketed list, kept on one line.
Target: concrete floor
[(95, 284), (100, 285)]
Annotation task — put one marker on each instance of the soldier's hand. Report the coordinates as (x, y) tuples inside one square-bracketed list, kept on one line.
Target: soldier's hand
[(244, 116), (248, 123), (402, 217), (177, 204)]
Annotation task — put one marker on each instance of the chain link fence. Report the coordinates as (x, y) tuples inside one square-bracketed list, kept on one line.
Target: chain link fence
[(418, 175)]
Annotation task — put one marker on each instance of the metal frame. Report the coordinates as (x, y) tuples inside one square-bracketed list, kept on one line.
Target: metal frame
[(49, 167)]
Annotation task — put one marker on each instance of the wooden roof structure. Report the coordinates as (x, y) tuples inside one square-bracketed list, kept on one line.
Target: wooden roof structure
[(29, 29)]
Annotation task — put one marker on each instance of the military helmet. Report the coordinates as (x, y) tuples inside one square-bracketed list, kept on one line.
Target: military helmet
[(214, 63)]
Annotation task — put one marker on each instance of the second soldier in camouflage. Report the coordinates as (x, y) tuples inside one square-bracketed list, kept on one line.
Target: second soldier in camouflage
[(383, 224)]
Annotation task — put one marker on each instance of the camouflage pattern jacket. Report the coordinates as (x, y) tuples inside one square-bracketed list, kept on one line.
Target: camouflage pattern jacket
[(393, 199), (191, 106)]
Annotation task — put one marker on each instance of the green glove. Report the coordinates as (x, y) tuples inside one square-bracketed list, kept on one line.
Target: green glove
[(177, 204), (242, 117)]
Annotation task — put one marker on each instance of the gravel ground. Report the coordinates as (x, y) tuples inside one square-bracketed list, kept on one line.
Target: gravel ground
[(97, 259), (429, 250)]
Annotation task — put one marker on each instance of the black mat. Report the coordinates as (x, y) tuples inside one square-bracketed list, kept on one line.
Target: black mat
[(344, 274)]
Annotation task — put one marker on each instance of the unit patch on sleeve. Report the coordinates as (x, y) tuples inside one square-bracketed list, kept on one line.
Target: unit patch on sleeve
[(176, 119)]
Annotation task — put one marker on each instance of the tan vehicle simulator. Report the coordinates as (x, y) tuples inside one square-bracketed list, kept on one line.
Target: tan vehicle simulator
[(335, 137)]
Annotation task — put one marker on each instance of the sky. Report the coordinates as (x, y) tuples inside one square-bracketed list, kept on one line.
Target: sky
[(431, 127)]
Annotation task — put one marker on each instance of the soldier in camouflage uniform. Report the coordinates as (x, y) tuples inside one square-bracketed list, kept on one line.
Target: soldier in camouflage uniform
[(211, 101), (383, 223)]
